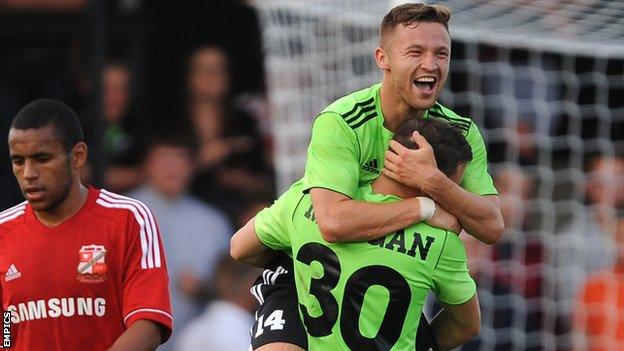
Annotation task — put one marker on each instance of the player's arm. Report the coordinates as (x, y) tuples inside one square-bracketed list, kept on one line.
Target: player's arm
[(342, 219), (479, 215), (456, 324), (461, 318), (145, 283), (267, 231), (247, 248), (143, 335), (332, 174)]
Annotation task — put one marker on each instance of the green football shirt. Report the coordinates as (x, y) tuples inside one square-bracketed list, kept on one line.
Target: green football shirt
[(364, 296), (349, 142)]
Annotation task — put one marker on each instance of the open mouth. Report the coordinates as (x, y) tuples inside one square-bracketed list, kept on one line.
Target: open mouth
[(425, 84)]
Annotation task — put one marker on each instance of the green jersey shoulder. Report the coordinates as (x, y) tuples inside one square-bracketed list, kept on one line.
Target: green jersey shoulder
[(349, 142)]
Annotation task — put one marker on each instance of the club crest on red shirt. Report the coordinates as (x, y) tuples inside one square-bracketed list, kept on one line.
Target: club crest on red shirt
[(92, 267)]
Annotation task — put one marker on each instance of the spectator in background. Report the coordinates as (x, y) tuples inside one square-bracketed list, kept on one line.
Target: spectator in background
[(124, 138), (515, 189), (194, 234), (231, 157), (125, 134), (224, 325), (508, 273), (586, 245), (599, 315)]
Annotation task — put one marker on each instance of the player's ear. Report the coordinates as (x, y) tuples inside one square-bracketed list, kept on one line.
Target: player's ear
[(381, 58), (79, 155)]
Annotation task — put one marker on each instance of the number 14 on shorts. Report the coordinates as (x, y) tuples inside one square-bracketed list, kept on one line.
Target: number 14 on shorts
[(275, 321)]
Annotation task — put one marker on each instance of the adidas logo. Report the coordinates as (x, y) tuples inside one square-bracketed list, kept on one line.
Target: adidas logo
[(12, 273), (371, 166)]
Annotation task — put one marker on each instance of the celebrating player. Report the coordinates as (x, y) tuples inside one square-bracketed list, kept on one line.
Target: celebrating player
[(350, 138), (84, 268), (348, 150), (338, 285)]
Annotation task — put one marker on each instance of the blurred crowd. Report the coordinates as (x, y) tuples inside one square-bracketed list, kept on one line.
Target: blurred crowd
[(560, 290), (184, 127)]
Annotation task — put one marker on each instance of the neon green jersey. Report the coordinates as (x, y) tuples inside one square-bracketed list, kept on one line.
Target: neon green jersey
[(349, 142), (364, 296)]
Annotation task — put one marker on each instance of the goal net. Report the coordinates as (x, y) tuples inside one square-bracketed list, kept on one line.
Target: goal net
[(544, 81)]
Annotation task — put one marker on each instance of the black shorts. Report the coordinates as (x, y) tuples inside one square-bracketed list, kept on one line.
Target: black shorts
[(277, 318)]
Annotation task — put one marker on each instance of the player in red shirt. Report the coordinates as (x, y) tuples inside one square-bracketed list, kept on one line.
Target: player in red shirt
[(81, 268)]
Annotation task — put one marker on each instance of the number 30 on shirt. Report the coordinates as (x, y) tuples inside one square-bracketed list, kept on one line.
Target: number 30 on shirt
[(355, 289)]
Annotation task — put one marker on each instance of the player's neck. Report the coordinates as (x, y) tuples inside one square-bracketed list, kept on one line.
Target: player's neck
[(395, 111), (76, 198), (386, 186)]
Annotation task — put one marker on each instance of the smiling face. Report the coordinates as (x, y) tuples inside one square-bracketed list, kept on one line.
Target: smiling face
[(43, 168), (414, 58)]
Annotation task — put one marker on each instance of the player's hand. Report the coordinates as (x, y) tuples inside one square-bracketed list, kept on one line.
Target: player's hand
[(444, 220), (414, 168)]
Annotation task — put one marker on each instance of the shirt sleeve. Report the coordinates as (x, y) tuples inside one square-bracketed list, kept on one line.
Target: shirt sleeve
[(451, 282), (476, 179), (145, 281), (271, 224), (333, 156)]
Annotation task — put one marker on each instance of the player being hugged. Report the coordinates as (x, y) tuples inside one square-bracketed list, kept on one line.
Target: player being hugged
[(369, 295), (84, 268)]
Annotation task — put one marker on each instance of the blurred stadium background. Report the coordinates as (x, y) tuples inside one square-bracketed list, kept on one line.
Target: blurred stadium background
[(543, 79)]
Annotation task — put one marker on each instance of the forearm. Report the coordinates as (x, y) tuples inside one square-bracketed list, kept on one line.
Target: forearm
[(456, 324), (447, 332), (246, 247), (143, 335), (479, 216), (349, 220)]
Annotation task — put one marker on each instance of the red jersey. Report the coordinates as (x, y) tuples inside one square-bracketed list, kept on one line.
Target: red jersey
[(81, 284)]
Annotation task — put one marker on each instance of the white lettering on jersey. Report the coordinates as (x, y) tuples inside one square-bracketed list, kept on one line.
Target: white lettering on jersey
[(67, 307), (57, 307), (100, 307), (54, 308), (36, 309)]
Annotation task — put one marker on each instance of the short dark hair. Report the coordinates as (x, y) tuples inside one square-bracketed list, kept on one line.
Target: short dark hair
[(410, 13), (48, 112), (450, 148)]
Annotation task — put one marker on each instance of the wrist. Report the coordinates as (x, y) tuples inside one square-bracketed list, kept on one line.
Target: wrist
[(426, 207), (435, 182)]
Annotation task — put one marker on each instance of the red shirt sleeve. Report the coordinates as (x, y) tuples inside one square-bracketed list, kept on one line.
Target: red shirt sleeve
[(145, 282)]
